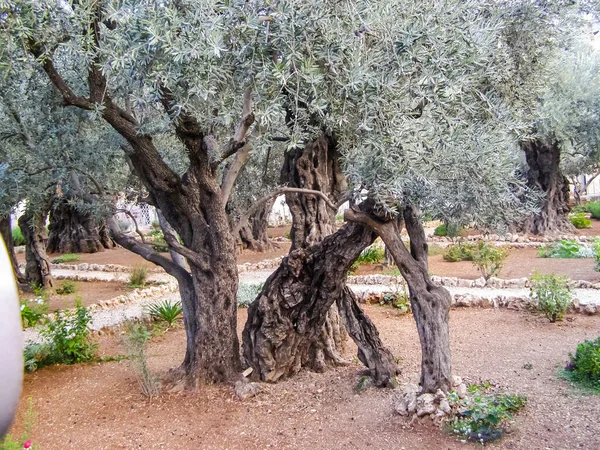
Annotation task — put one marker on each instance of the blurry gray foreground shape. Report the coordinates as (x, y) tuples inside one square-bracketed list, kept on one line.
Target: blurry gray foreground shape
[(11, 344)]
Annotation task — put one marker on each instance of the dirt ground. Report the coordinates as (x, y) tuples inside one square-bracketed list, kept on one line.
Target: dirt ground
[(98, 406)]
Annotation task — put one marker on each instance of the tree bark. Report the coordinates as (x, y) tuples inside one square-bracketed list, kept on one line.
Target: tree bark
[(543, 159), (37, 269), (254, 235), (6, 231), (430, 302), (73, 231)]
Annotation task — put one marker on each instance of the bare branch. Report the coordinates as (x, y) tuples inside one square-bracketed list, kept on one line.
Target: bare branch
[(255, 207), (132, 217), (193, 257)]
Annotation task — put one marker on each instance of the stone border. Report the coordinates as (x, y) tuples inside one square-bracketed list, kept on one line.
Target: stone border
[(493, 283), (136, 294), (516, 303), (512, 239)]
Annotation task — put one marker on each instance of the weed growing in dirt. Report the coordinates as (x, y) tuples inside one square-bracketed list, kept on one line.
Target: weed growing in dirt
[(584, 367), (567, 248), (580, 221), (33, 311), (67, 340), (552, 294), (10, 442), (137, 278), (17, 237), (135, 340), (488, 258), (371, 255), (481, 416), (68, 287), (66, 258), (247, 292), (165, 310), (400, 300)]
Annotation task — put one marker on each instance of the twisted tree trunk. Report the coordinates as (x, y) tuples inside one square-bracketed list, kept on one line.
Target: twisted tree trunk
[(543, 159), (73, 231), (6, 231), (430, 302), (33, 227), (254, 235)]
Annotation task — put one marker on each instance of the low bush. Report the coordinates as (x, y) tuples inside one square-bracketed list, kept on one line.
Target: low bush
[(580, 221), (482, 415), (66, 258), (137, 278), (17, 237), (247, 293), (552, 294), (488, 259), (371, 255), (33, 311), (67, 340), (68, 287), (594, 209), (135, 341), (566, 248), (459, 252), (166, 310), (584, 366), (447, 230)]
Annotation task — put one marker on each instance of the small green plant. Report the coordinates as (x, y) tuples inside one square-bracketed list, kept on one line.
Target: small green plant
[(17, 237), (137, 278), (459, 252), (33, 311), (66, 258), (247, 293), (579, 209), (580, 221), (68, 287), (165, 310), (482, 416), (67, 340), (488, 258), (287, 235), (594, 209), (584, 367), (371, 255), (447, 230), (400, 300), (566, 248), (135, 341), (10, 442), (552, 294)]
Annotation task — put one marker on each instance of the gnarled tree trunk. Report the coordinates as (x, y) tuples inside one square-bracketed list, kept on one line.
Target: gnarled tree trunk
[(254, 235), (430, 302), (6, 231), (37, 268), (290, 325), (73, 231), (543, 159)]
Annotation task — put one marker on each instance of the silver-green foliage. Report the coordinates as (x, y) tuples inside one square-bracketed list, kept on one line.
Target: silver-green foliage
[(552, 294), (247, 292)]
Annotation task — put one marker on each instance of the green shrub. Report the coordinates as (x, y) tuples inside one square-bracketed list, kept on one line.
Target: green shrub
[(481, 417), (459, 252), (137, 278), (371, 255), (67, 340), (580, 221), (579, 209), (440, 230), (594, 209), (66, 258), (68, 287), (400, 300), (447, 230), (567, 248), (584, 367), (165, 310), (488, 258), (135, 341), (33, 311), (552, 294), (247, 293), (17, 237)]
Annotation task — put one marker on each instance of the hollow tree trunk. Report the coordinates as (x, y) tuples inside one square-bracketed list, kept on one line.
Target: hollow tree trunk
[(6, 231), (430, 302), (254, 236), (543, 159), (37, 268), (73, 231), (287, 323)]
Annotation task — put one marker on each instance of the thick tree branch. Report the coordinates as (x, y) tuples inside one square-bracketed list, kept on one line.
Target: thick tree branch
[(132, 217), (193, 257), (255, 207), (416, 233)]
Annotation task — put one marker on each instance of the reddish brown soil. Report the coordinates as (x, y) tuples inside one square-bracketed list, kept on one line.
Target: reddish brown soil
[(88, 292), (98, 406)]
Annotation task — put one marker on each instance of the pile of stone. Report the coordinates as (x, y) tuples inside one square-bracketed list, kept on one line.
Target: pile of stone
[(410, 402)]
